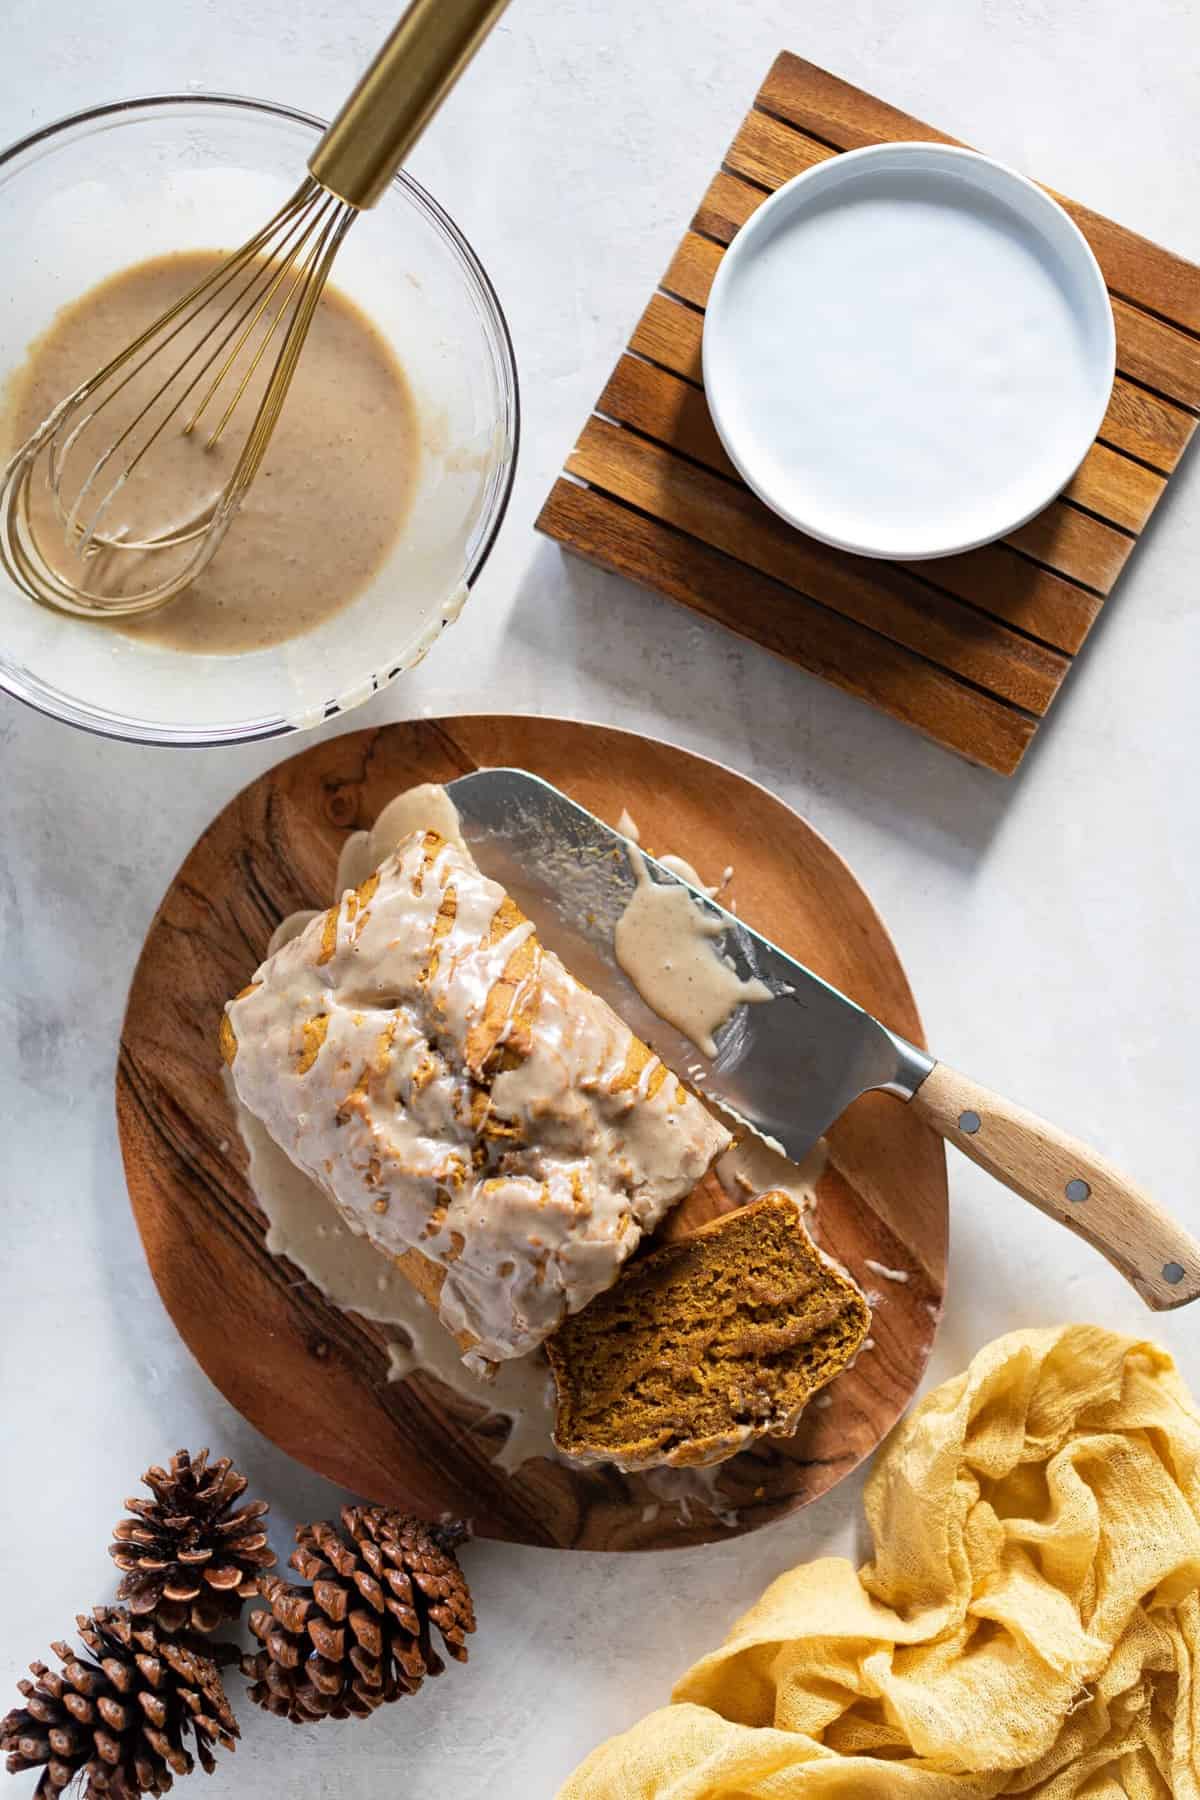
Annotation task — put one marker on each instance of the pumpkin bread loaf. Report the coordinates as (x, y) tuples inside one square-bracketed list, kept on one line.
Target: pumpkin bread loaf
[(706, 1343), (481, 1116)]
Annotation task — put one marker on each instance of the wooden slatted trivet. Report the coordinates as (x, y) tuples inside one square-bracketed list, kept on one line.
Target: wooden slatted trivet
[(970, 649)]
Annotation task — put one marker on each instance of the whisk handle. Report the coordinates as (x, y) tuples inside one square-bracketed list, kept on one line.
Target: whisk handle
[(399, 94)]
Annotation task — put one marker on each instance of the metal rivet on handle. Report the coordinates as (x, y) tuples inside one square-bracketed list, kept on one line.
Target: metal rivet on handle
[(969, 1122), (1078, 1191), (1173, 1272)]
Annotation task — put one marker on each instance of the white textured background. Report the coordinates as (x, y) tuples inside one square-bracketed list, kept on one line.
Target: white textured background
[(1049, 924)]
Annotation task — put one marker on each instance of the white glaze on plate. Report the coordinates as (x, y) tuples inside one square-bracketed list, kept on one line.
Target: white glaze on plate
[(685, 1488), (304, 1226), (881, 1269), (908, 350), (754, 1167)]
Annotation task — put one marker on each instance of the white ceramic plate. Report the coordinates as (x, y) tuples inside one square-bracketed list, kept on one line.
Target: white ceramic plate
[(908, 350)]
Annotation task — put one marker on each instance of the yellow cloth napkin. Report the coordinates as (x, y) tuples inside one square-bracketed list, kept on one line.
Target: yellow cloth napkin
[(1030, 1624)]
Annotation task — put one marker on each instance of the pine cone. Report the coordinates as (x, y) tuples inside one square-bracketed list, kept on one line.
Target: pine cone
[(118, 1724), (361, 1634), (189, 1561)]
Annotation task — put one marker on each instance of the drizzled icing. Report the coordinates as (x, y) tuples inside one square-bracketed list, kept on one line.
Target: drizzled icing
[(427, 807), (881, 1269), (753, 1167), (665, 944), (290, 928), (679, 865), (349, 1271), (688, 1487), (368, 1047)]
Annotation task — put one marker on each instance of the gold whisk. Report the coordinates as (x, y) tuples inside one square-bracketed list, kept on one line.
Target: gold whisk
[(199, 359)]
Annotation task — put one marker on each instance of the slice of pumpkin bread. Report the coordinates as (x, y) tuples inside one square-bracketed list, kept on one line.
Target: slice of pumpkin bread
[(705, 1344)]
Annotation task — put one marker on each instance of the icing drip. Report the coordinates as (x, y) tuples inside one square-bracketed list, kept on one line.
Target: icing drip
[(347, 1269), (366, 1046), (754, 1167), (688, 1487), (882, 1270), (665, 944)]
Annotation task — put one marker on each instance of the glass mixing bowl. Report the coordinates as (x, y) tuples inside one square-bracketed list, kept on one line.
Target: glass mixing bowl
[(106, 188)]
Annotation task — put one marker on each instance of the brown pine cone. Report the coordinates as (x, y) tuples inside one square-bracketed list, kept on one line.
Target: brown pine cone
[(117, 1723), (361, 1635), (190, 1561)]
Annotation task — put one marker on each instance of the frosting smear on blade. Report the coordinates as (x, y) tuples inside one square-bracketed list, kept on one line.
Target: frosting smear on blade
[(456, 1091)]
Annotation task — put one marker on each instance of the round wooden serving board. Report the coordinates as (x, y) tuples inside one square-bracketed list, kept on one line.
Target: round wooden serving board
[(314, 1379)]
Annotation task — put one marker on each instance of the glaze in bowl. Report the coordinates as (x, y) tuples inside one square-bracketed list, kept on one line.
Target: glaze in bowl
[(908, 350), (113, 186)]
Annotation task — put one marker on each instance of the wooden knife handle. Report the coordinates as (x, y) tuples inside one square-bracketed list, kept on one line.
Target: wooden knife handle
[(1068, 1182)]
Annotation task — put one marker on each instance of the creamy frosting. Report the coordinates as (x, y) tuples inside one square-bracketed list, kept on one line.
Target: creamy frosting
[(665, 943), (304, 1226), (455, 1090), (426, 807), (753, 1167), (688, 1487)]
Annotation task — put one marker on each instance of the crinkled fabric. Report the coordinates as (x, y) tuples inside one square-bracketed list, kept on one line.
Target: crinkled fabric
[(1030, 1623)]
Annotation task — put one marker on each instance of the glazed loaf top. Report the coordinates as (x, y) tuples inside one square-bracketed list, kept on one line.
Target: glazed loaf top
[(456, 1091)]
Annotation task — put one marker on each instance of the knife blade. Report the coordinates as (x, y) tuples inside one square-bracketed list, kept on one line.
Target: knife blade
[(787, 1067)]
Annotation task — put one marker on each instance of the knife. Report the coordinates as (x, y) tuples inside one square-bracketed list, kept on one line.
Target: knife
[(789, 1067)]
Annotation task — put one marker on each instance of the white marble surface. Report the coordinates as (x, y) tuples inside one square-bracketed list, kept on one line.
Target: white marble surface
[(1049, 924)]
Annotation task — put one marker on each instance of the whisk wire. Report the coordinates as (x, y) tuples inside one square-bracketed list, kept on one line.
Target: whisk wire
[(255, 447), (259, 272), (270, 286), (202, 292), (275, 280), (298, 276)]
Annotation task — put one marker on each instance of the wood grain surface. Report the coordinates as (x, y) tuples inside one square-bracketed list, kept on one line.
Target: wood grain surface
[(314, 1379), (970, 649)]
